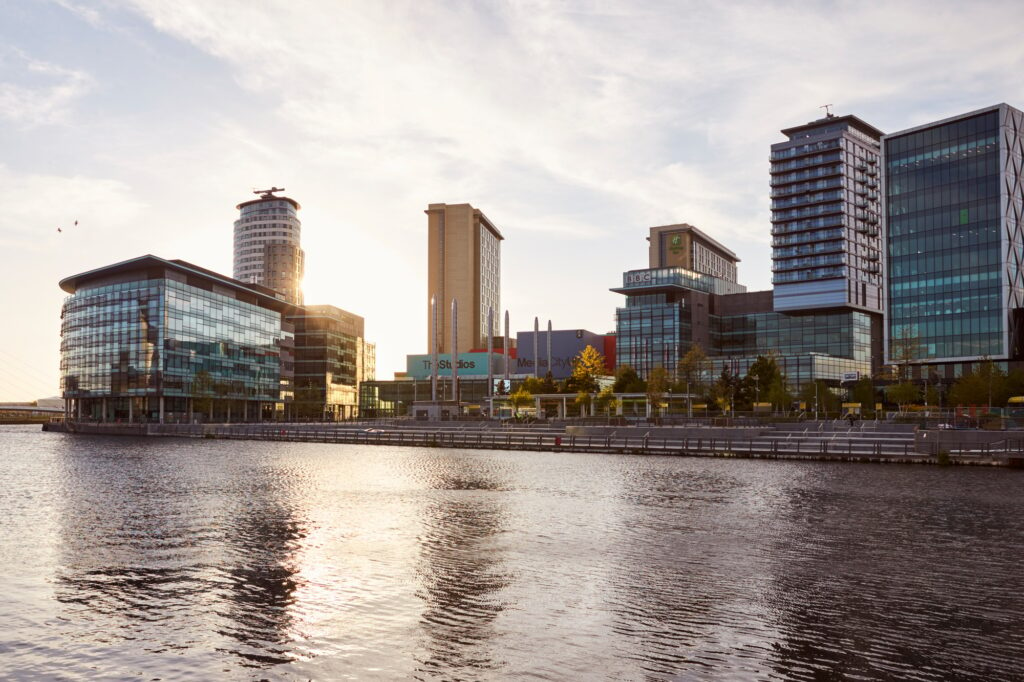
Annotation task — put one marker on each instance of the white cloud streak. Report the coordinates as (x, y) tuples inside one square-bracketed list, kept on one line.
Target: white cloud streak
[(48, 100)]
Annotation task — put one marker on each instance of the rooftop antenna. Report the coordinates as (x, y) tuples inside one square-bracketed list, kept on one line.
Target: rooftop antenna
[(828, 113), (267, 193)]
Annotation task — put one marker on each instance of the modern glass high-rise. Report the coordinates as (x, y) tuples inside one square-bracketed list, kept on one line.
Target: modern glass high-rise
[(267, 244), (826, 241), (463, 263), (160, 340), (955, 231)]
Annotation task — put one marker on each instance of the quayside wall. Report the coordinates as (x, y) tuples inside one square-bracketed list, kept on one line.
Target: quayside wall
[(898, 446)]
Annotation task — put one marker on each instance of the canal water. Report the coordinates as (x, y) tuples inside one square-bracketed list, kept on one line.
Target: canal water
[(201, 559)]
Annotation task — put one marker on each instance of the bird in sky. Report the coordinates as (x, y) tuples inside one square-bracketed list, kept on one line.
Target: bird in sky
[(76, 223), (59, 230)]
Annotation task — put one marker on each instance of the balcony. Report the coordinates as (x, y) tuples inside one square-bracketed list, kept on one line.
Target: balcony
[(803, 150), (794, 213), (798, 176), (811, 262), (806, 162), (783, 239), (807, 199), (809, 275), (788, 190)]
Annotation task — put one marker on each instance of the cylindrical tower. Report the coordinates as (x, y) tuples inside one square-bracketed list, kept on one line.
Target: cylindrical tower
[(267, 244)]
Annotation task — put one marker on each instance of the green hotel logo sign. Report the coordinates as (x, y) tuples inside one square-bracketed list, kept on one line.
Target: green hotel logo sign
[(675, 243)]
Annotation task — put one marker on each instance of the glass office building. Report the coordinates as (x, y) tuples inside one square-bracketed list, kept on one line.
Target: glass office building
[(156, 340), (668, 310), (331, 359), (954, 195), (825, 345)]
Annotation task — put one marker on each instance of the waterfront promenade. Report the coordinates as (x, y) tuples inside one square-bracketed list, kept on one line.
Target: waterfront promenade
[(830, 441)]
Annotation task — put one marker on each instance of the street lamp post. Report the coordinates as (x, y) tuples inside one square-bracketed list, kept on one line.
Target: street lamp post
[(815, 401)]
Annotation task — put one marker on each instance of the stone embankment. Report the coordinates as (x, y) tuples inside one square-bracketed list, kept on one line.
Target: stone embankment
[(830, 441)]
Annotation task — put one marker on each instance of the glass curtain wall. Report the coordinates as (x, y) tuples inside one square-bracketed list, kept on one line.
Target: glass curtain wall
[(945, 265), (125, 345), (110, 349)]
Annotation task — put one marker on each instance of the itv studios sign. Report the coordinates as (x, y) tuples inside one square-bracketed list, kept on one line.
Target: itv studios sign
[(470, 364)]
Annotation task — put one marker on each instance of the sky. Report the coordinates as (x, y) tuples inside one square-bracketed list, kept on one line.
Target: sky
[(575, 126)]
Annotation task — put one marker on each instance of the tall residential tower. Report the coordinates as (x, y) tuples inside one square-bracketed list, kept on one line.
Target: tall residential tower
[(266, 249), (826, 241), (464, 263)]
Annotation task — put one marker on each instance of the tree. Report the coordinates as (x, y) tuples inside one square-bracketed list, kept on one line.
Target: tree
[(904, 348), (657, 384), (520, 398), (533, 385), (628, 381), (778, 394), (864, 393), (693, 369), (587, 366), (1015, 383), (827, 400), (761, 378), (903, 394), (605, 400), (548, 384), (724, 390), (583, 401), (986, 385)]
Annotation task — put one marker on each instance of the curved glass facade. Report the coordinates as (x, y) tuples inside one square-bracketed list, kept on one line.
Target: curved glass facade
[(151, 349)]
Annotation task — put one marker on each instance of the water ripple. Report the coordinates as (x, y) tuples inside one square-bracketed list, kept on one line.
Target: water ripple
[(167, 559)]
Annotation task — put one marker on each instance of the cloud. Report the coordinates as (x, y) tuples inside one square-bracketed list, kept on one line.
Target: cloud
[(48, 96), (574, 125), (585, 121), (35, 205)]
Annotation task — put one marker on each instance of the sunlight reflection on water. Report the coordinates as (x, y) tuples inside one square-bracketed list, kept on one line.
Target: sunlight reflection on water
[(182, 559)]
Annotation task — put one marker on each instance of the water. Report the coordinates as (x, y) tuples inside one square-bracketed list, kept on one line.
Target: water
[(196, 559)]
